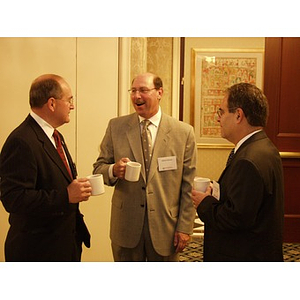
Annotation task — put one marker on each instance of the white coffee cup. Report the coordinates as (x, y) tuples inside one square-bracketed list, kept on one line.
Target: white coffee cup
[(132, 172), (97, 184), (201, 184)]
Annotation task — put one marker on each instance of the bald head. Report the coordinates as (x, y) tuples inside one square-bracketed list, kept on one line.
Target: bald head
[(45, 87), (157, 82)]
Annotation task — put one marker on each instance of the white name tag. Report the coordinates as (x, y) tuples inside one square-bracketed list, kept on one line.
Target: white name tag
[(216, 190), (167, 163)]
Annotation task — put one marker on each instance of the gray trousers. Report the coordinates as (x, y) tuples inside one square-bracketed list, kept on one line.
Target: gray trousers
[(144, 251)]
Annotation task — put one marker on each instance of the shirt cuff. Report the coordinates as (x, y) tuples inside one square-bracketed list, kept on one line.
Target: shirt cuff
[(111, 173)]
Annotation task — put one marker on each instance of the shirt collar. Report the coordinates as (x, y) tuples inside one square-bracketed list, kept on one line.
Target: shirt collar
[(238, 145), (48, 129), (154, 119)]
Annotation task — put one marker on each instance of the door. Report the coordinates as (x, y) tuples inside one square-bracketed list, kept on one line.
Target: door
[(282, 88)]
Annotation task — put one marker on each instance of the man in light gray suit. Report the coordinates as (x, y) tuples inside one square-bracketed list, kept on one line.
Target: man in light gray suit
[(152, 218)]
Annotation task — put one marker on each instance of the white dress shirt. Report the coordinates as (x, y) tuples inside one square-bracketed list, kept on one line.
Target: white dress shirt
[(244, 139), (48, 129), (153, 127)]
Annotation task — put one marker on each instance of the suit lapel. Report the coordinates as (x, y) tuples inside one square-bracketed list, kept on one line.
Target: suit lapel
[(161, 142), (253, 138), (49, 147), (134, 138), (71, 163), (69, 158)]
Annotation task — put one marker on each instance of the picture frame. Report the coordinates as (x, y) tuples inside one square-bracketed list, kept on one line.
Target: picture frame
[(212, 71)]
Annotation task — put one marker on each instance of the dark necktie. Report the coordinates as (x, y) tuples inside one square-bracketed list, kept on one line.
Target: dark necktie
[(60, 151), (230, 157), (147, 144)]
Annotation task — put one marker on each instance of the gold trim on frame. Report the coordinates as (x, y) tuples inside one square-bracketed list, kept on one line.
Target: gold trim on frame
[(214, 146), (290, 154)]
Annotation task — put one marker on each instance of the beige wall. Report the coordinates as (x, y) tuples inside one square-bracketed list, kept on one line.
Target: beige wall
[(211, 161), (90, 65)]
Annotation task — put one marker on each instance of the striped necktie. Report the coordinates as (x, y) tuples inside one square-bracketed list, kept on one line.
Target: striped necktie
[(60, 151), (230, 157)]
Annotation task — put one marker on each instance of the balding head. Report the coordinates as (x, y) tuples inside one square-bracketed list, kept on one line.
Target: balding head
[(43, 88)]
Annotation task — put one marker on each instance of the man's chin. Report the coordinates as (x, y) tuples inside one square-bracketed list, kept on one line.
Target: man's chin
[(140, 110)]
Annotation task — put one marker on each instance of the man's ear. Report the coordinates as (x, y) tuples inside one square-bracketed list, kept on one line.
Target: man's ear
[(239, 115), (160, 92), (51, 103)]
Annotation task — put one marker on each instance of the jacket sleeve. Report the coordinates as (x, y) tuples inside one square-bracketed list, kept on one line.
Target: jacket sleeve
[(239, 201), (106, 157), (187, 212)]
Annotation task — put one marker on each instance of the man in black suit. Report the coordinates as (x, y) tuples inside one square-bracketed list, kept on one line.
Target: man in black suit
[(246, 223), (40, 191)]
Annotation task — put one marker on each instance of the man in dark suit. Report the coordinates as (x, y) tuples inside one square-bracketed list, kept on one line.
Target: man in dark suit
[(39, 190), (151, 219), (246, 223)]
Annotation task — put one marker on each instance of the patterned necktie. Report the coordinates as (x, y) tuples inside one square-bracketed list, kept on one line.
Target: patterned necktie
[(60, 150), (230, 157), (147, 144)]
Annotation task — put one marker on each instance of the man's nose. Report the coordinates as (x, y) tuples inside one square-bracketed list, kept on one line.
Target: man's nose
[(137, 94)]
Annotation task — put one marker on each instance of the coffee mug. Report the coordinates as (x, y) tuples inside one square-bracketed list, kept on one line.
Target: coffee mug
[(97, 184), (132, 171), (201, 184)]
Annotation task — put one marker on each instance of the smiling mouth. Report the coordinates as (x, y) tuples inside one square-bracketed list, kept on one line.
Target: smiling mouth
[(140, 104)]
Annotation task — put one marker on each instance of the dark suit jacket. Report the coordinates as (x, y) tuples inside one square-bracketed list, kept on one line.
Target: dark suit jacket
[(247, 223), (44, 226)]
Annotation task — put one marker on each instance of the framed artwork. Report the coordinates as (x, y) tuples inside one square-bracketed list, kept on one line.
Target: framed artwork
[(214, 70)]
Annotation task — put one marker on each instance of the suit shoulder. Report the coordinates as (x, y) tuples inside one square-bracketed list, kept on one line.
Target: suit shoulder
[(259, 151), (21, 131), (25, 132), (123, 119), (179, 124)]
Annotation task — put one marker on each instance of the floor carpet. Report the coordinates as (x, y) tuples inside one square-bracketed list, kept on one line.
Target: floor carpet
[(194, 251)]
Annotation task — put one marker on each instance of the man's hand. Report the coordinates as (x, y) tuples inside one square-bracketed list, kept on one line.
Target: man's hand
[(120, 167), (79, 190), (197, 197), (180, 241)]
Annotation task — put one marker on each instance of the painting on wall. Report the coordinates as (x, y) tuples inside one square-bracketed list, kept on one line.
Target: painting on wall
[(214, 70)]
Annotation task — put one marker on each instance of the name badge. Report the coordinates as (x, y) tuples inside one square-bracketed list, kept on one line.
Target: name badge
[(216, 190), (167, 163)]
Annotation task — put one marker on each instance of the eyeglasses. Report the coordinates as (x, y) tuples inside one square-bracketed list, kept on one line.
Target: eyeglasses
[(70, 100), (140, 90), (220, 112)]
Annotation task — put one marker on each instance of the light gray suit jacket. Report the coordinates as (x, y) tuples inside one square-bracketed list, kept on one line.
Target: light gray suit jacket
[(166, 195)]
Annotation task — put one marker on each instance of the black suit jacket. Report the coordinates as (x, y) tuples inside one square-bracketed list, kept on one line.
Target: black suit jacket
[(247, 223), (44, 226)]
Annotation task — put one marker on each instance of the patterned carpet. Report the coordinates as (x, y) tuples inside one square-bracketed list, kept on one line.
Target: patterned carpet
[(194, 251)]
